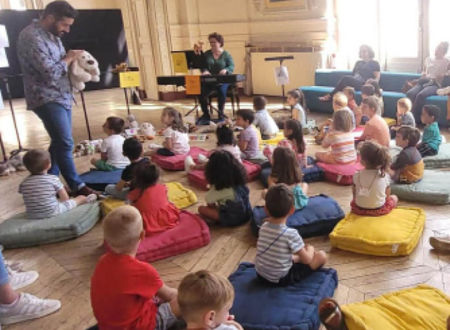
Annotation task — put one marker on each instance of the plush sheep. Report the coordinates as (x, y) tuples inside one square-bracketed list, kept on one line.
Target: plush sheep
[(147, 130), (83, 69), (132, 122)]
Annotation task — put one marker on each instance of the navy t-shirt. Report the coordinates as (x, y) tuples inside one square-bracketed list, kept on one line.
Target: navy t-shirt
[(127, 174), (365, 70)]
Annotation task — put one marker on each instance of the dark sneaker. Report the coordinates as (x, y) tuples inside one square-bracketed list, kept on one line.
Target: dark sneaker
[(86, 191), (203, 120)]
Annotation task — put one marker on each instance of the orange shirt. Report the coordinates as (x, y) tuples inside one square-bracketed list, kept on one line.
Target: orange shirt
[(377, 130)]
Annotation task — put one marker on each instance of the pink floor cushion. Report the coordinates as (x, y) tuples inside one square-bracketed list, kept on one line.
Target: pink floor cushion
[(176, 163), (190, 234), (197, 177), (340, 174)]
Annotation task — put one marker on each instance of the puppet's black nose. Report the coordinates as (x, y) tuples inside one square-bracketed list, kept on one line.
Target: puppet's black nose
[(90, 62)]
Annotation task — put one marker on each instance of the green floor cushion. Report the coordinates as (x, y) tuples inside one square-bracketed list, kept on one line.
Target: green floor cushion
[(19, 231), (434, 188)]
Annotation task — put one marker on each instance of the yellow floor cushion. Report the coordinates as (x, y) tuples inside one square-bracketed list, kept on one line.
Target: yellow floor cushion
[(422, 307), (390, 121), (393, 234), (180, 196), (275, 140)]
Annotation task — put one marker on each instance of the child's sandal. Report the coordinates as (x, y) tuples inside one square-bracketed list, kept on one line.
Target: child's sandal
[(330, 315)]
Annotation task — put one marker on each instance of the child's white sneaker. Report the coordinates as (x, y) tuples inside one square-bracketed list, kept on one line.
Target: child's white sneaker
[(19, 279), (27, 307), (202, 159), (91, 198), (188, 163)]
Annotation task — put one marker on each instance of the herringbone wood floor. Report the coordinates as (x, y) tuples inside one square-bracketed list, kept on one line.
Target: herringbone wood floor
[(65, 268)]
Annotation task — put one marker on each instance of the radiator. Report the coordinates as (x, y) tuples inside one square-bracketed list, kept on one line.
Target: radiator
[(301, 71)]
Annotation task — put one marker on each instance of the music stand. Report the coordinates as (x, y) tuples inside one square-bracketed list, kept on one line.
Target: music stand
[(280, 59)]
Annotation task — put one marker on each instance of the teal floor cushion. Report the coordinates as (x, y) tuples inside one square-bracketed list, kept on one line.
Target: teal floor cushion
[(19, 231), (261, 306), (434, 188)]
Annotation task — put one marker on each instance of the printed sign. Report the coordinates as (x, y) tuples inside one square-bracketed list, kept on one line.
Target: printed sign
[(129, 79), (193, 85)]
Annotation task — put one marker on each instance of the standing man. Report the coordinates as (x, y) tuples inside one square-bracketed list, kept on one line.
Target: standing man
[(48, 93)]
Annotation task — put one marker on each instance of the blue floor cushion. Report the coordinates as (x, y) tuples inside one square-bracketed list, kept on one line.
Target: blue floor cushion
[(434, 188), (20, 231), (98, 180), (259, 306), (318, 217)]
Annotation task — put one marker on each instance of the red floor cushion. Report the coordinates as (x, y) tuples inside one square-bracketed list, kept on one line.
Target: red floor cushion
[(191, 233), (197, 177), (340, 174), (176, 163)]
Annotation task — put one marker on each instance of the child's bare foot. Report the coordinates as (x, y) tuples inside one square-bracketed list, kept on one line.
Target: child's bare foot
[(325, 98), (331, 315)]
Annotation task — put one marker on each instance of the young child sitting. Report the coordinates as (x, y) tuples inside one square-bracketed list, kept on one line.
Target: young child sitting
[(43, 194), (294, 140), (248, 139), (404, 116), (340, 139), (296, 101), (132, 149), (281, 254), (228, 197), (378, 93), (349, 92), (176, 139), (127, 293), (285, 170), (376, 128), (371, 186), (408, 167), (366, 91), (150, 198), (111, 148), (431, 138), (205, 300), (225, 141), (263, 119)]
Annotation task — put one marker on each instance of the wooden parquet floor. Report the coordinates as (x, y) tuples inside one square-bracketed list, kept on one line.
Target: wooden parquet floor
[(65, 268)]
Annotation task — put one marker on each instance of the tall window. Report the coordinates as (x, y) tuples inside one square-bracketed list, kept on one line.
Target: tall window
[(438, 23), (18, 4)]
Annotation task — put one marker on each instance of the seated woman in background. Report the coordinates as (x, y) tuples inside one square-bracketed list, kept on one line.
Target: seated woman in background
[(432, 76), (365, 69)]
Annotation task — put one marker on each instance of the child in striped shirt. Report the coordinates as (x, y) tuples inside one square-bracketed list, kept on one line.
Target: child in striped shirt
[(282, 257), (40, 189), (340, 139)]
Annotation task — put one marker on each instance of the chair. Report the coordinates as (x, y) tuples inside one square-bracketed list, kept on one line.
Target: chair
[(232, 93)]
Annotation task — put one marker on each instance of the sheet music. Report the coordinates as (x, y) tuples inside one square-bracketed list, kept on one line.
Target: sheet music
[(3, 59), (1, 101), (281, 75)]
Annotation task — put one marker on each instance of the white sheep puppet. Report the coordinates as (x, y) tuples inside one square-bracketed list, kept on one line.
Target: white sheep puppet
[(83, 69)]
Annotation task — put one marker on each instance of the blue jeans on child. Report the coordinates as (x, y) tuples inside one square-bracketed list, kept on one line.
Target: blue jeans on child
[(58, 123), (4, 277), (111, 190)]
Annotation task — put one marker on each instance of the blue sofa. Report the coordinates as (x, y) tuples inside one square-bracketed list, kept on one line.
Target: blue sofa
[(391, 83)]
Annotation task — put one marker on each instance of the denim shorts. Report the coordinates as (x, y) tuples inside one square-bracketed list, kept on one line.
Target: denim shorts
[(165, 317), (66, 206)]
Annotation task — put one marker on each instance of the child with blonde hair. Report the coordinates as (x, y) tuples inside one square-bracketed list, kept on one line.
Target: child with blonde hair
[(340, 139), (371, 186), (127, 293), (404, 116), (282, 257), (376, 128), (205, 300)]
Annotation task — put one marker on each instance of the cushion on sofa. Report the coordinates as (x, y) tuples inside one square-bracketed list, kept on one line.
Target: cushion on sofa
[(394, 81), (98, 180), (317, 218), (393, 234), (258, 306), (176, 163), (434, 188), (422, 307), (198, 179), (191, 233), (20, 231), (340, 174)]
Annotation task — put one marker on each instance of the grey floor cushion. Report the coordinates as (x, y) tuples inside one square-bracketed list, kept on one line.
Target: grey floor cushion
[(19, 231), (434, 188)]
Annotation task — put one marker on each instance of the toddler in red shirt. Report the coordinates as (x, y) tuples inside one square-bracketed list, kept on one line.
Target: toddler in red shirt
[(127, 293)]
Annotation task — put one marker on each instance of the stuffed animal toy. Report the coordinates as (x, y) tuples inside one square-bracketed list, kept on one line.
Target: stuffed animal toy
[(4, 169), (132, 122), (87, 147), (198, 47), (148, 131), (122, 67), (83, 69), (16, 163)]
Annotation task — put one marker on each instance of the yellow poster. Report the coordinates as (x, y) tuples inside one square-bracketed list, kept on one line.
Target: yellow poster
[(129, 79), (179, 62), (193, 85)]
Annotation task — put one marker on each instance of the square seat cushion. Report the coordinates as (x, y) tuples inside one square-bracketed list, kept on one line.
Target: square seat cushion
[(390, 121), (393, 234), (98, 180), (177, 194), (422, 307), (191, 233), (20, 231), (259, 306), (317, 218), (198, 179), (176, 163), (434, 188), (340, 174), (273, 141), (441, 160)]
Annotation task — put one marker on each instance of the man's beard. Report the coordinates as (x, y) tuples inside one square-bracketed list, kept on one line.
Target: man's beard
[(54, 30)]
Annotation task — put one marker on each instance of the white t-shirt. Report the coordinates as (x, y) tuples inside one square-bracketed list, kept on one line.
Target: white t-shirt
[(301, 114), (370, 192), (436, 68), (234, 150), (265, 122), (180, 141), (224, 326), (112, 146)]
